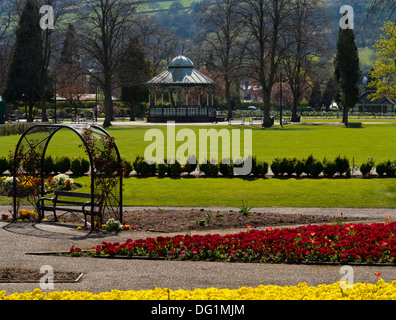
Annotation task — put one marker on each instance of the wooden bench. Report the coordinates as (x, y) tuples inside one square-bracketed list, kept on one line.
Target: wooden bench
[(70, 206)]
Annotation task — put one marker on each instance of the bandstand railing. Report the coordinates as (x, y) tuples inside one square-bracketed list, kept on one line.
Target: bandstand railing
[(179, 112)]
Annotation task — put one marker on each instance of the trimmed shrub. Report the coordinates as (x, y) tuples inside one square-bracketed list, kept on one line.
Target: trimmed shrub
[(299, 167), (127, 168), (276, 167), (288, 165), (226, 169), (79, 166), (329, 168), (261, 169), (62, 164), (163, 169), (75, 167), (391, 168), (191, 165), (175, 169), (144, 169), (313, 167), (343, 167), (49, 166), (3, 165), (211, 170), (381, 169), (367, 167), (85, 166)]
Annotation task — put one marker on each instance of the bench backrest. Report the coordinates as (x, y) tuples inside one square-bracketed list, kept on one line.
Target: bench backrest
[(75, 194)]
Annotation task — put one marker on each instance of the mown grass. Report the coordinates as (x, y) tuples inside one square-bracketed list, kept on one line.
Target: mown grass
[(272, 192), (377, 141)]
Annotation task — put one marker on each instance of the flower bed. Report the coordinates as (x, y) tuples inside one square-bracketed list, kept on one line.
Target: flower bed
[(359, 243), (360, 291)]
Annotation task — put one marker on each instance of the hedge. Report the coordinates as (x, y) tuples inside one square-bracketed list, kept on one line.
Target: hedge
[(280, 167)]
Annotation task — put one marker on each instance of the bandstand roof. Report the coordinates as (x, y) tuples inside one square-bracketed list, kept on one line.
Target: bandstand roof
[(181, 73)]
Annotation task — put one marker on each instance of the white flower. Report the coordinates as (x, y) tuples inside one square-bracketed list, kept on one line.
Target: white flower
[(9, 181), (62, 178)]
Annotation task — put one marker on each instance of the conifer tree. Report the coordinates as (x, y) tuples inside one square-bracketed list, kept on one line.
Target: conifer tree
[(24, 73), (347, 71)]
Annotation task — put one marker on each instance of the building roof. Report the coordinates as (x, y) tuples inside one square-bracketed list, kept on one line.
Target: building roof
[(181, 73), (364, 100), (181, 62)]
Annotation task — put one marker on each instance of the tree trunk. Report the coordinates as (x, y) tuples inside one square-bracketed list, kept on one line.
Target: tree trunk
[(44, 117), (30, 113), (345, 116), (108, 104), (228, 98), (267, 123)]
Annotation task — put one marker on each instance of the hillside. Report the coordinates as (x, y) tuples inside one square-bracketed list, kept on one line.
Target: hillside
[(180, 17)]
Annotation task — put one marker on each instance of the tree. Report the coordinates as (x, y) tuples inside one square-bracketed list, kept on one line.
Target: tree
[(69, 53), (316, 96), (51, 43), (24, 73), (371, 80), (329, 93), (105, 30), (224, 36), (383, 74), (307, 43), (135, 71), (71, 83), (267, 26), (347, 71), (162, 47), (5, 46)]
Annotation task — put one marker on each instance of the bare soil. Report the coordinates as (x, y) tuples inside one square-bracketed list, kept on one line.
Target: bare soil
[(167, 221), (186, 220), (13, 274)]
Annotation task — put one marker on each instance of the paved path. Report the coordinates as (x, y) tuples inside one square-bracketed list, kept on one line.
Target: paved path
[(102, 275)]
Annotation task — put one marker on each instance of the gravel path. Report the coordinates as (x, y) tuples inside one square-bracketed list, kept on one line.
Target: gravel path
[(105, 275)]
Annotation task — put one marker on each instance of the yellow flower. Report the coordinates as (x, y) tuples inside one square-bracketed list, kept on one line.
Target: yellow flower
[(360, 291)]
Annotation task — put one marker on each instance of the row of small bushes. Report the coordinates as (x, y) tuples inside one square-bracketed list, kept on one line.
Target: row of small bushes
[(78, 166), (176, 169), (309, 166)]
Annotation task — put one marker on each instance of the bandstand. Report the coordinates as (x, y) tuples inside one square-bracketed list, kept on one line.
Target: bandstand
[(179, 80)]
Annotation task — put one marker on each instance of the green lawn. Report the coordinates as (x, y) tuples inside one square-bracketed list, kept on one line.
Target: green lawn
[(376, 141), (258, 192)]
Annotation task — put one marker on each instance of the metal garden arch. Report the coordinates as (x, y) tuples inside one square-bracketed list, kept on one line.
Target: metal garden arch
[(105, 165)]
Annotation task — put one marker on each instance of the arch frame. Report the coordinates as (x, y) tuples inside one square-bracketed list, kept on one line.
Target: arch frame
[(49, 131)]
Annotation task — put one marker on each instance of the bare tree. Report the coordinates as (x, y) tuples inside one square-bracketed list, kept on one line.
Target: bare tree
[(51, 45), (266, 21), (104, 30), (5, 41), (50, 37), (387, 7), (162, 47), (308, 44), (224, 30)]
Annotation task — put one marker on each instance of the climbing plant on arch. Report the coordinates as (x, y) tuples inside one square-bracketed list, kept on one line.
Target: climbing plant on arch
[(106, 167)]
